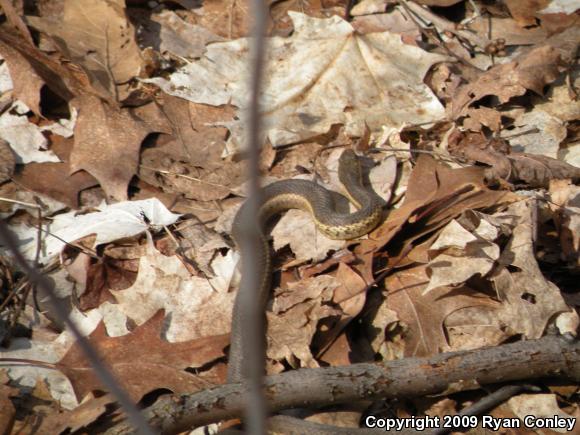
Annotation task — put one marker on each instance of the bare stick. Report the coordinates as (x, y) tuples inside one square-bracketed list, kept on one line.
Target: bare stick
[(411, 377)]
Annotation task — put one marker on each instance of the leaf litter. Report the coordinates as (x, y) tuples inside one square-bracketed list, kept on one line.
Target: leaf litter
[(476, 108)]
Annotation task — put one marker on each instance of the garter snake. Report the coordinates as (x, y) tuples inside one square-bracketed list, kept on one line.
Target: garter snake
[(311, 197)]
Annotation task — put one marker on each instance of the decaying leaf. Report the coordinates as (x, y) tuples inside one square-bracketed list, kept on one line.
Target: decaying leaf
[(142, 361), (458, 254), (532, 70), (423, 315), (27, 61), (177, 36), (53, 180), (301, 305), (532, 170), (565, 205), (105, 134), (7, 416), (24, 137), (27, 91), (435, 194), (387, 88), (542, 406), (190, 161), (198, 306), (525, 11), (227, 19), (98, 36), (110, 223), (7, 161), (537, 132), (80, 417), (530, 300)]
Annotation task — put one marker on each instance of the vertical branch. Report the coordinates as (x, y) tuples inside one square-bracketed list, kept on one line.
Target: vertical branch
[(105, 376), (253, 352)]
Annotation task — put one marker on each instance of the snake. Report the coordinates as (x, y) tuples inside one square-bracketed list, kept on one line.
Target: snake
[(316, 200)]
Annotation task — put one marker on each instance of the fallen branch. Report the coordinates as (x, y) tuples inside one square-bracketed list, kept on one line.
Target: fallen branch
[(466, 370)]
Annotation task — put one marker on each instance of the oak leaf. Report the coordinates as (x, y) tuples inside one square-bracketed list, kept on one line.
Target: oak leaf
[(142, 361), (107, 143)]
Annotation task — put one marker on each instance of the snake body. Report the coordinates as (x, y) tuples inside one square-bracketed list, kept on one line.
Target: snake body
[(318, 201)]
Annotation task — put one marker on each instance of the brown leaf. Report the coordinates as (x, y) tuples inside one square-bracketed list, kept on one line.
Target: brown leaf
[(168, 32), (142, 361), (107, 274), (302, 306), (424, 315), (107, 143), (97, 36), (532, 70), (26, 81), (350, 296), (8, 413), (33, 68), (53, 180), (531, 169), (230, 20), (14, 19), (190, 163), (566, 215), (482, 116), (525, 11), (438, 3), (530, 301), (7, 161), (506, 29), (80, 417), (435, 195)]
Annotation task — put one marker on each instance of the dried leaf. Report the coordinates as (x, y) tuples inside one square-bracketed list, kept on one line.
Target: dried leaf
[(98, 36), (78, 418), (424, 315), (302, 306), (191, 163), (24, 137), (110, 223), (537, 132), (435, 195), (174, 35), (530, 301), (457, 255), (106, 134), (532, 70), (28, 90), (7, 161), (566, 214), (198, 307), (533, 170), (142, 361), (320, 93), (525, 11), (8, 414), (542, 407), (53, 180), (15, 20), (228, 19), (25, 60)]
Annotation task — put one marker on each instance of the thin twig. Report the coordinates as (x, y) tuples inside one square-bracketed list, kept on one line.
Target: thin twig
[(187, 177), (254, 354)]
